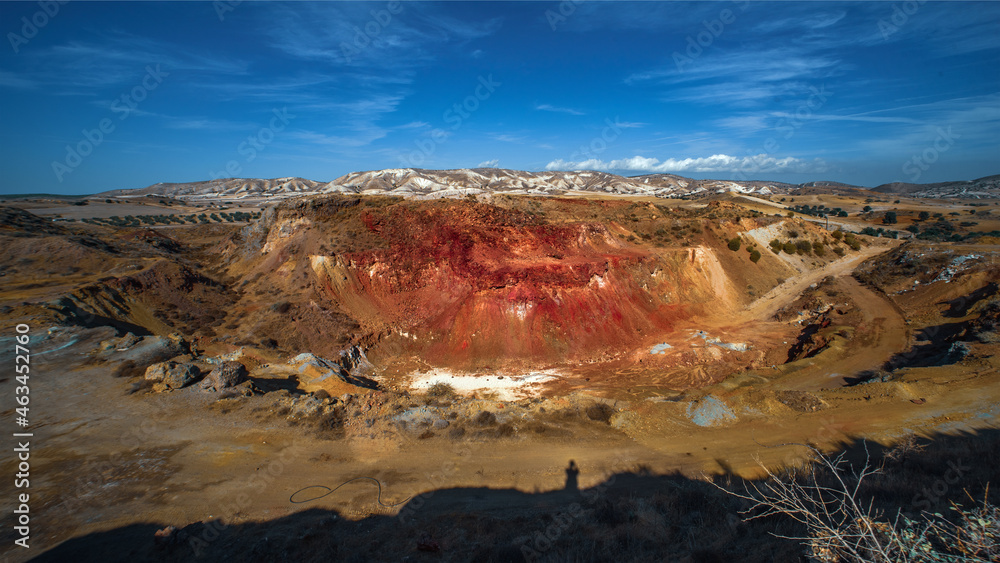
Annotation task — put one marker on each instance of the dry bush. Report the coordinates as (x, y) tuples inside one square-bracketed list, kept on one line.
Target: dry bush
[(842, 527), (441, 389)]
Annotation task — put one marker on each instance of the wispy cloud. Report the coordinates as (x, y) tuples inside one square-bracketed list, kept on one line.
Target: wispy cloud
[(508, 138), (489, 163), (92, 68), (11, 80), (204, 123), (556, 109), (359, 136), (974, 122), (347, 34)]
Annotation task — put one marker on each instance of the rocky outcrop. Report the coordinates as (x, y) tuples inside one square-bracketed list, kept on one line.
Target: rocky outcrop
[(171, 375), (226, 376)]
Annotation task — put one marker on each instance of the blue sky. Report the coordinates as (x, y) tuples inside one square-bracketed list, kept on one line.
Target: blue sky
[(99, 96)]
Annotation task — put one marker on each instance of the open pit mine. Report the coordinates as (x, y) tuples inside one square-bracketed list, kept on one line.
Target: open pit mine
[(386, 374)]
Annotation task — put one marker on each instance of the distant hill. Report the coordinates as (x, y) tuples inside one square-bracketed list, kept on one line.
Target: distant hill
[(429, 184), (988, 187)]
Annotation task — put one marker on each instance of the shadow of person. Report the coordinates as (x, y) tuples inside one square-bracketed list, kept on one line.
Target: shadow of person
[(572, 484)]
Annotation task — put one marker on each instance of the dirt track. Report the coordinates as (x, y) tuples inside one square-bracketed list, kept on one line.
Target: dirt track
[(766, 306)]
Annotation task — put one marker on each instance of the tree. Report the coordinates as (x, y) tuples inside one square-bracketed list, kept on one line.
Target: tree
[(889, 218), (841, 214), (789, 248), (866, 208), (924, 216), (734, 244), (754, 256)]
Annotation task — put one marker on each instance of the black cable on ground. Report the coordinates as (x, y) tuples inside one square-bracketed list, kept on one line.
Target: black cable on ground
[(329, 491)]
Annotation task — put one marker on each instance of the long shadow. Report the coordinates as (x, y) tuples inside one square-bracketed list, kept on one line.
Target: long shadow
[(959, 307), (268, 384), (937, 350), (632, 515), (942, 345)]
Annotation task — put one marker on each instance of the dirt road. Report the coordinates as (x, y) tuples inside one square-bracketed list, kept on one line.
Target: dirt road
[(766, 306)]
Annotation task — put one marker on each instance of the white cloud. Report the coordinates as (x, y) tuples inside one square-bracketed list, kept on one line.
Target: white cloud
[(507, 138), (414, 125), (715, 163), (489, 163), (556, 109)]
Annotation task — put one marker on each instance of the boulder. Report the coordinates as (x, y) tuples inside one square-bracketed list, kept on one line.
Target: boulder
[(356, 362), (225, 376), (127, 341), (171, 375), (158, 371)]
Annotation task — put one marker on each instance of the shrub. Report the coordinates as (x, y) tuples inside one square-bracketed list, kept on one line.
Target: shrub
[(734, 244), (485, 418), (600, 412), (803, 247), (839, 251), (818, 249), (441, 389), (793, 234), (754, 256), (789, 248), (841, 526), (838, 234)]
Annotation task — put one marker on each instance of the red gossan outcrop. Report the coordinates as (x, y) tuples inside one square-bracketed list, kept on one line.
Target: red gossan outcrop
[(473, 285)]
